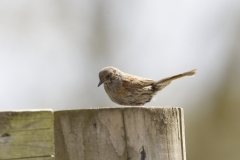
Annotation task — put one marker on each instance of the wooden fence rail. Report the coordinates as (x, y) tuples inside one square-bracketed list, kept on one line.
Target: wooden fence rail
[(129, 133)]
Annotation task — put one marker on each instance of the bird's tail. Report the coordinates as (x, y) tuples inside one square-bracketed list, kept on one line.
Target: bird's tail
[(169, 79), (159, 85)]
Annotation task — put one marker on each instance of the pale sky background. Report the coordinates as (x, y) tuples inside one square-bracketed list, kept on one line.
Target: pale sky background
[(51, 53)]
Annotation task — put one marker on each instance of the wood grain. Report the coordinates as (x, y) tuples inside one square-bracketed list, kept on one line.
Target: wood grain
[(129, 133), (26, 135)]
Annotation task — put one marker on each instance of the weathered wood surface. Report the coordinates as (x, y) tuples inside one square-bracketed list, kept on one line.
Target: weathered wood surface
[(136, 133), (26, 135)]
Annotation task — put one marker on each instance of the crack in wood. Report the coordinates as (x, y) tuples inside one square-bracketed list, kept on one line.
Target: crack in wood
[(143, 154), (125, 134)]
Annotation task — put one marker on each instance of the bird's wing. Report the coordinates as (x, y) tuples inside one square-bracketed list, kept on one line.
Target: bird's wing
[(135, 82)]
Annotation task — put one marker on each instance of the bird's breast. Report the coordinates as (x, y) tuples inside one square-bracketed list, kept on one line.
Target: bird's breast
[(123, 96), (117, 93)]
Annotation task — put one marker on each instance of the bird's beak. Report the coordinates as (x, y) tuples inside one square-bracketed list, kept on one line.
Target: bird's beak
[(100, 82)]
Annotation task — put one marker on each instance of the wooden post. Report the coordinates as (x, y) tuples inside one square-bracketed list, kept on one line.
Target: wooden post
[(131, 133), (26, 135)]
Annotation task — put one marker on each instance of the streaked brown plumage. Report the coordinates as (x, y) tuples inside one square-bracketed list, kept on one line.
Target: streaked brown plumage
[(127, 89)]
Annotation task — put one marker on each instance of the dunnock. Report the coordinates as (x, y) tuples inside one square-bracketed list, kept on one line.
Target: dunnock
[(127, 89)]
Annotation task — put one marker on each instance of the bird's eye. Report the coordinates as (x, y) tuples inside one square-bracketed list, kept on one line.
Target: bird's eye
[(107, 76)]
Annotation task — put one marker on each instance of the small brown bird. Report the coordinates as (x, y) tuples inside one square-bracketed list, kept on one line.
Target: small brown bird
[(127, 89)]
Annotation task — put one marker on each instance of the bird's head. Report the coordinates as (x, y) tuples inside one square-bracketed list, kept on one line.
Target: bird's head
[(108, 74)]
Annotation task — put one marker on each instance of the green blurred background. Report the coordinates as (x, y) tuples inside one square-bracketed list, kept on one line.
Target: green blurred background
[(51, 53)]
